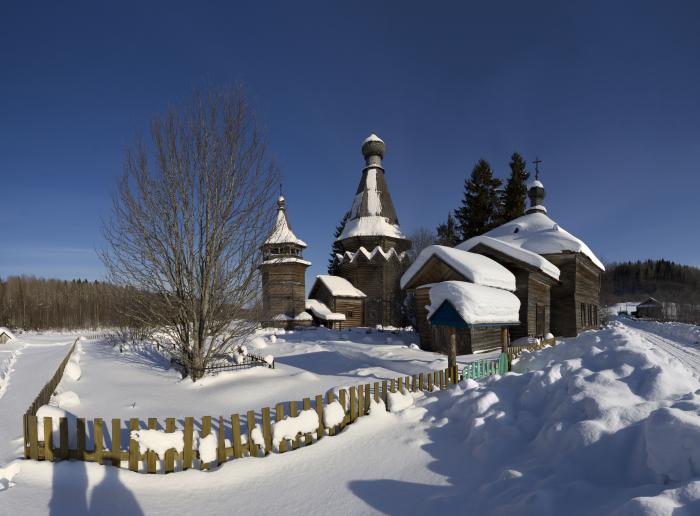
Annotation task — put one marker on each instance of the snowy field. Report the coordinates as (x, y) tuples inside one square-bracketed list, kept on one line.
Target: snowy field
[(607, 423)]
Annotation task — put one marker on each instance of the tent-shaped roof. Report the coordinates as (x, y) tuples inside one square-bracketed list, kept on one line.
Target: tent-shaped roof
[(537, 233), (282, 232), (475, 305), (472, 267), (516, 253), (337, 286)]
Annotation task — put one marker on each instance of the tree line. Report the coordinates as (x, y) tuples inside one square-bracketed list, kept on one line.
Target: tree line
[(32, 303)]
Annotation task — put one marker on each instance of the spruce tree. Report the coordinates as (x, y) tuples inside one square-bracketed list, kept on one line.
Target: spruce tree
[(480, 210), (336, 249), (515, 193), (447, 232)]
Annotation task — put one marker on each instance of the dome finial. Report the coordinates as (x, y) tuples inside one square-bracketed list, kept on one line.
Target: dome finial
[(373, 150), (535, 191)]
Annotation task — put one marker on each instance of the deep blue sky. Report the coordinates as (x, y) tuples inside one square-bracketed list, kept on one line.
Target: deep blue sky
[(607, 95)]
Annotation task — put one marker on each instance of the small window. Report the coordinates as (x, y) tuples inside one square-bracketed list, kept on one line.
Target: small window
[(348, 315)]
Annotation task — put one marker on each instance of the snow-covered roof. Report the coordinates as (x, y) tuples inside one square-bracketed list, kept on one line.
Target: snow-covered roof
[(476, 304), (371, 226), (339, 287), (473, 267), (538, 233), (303, 316), (320, 310), (535, 184), (515, 252), (7, 332), (286, 259), (282, 233)]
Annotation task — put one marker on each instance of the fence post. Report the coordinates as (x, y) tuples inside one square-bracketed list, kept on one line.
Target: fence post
[(399, 381), (134, 452), (97, 434), (385, 395), (296, 442), (150, 454), (236, 436), (221, 443), (33, 438), (353, 404), (319, 413), (80, 437), (376, 392), (48, 438), (442, 379), (279, 416), (206, 430), (187, 451), (250, 421), (117, 443), (267, 429), (306, 405), (342, 397), (360, 401)]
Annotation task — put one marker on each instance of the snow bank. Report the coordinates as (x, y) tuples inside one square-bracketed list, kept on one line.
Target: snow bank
[(72, 370), (7, 474), (333, 414), (473, 267), (56, 413), (258, 437), (290, 427), (66, 399), (159, 441), (476, 304), (269, 359), (303, 316), (7, 332), (398, 402), (207, 448)]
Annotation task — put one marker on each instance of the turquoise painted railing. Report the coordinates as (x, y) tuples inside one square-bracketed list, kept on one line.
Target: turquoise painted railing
[(482, 368)]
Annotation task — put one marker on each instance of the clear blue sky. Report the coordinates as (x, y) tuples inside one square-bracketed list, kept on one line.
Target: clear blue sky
[(606, 94)]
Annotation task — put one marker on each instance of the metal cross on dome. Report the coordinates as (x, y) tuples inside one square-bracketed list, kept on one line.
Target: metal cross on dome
[(537, 167)]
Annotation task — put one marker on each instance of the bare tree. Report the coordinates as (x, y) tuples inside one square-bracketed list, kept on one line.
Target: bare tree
[(189, 217), (420, 239)]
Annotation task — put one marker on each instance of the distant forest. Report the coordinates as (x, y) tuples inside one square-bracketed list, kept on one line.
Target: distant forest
[(664, 280), (41, 304)]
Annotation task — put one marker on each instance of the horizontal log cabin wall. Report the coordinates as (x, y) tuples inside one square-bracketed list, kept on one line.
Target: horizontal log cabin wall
[(538, 295), (579, 282), (284, 290), (469, 340)]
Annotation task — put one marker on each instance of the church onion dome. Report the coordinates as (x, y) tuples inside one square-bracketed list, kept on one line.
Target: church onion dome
[(372, 212), (282, 233)]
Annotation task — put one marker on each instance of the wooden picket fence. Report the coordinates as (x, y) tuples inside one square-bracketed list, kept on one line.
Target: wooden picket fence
[(515, 351), (91, 441)]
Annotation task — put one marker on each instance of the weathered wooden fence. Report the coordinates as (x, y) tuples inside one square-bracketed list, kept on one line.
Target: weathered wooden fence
[(237, 435), (515, 351)]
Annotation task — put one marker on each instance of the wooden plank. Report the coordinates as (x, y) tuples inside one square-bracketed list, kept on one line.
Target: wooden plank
[(98, 438), (267, 429), (353, 404), (80, 436), (421, 382), (442, 379), (134, 453), (385, 396), (368, 397), (116, 442), (151, 455), (236, 436), (170, 454), (399, 383), (279, 416), (360, 401), (330, 398), (308, 438), (414, 383), (63, 436), (376, 392), (319, 412), (25, 424), (250, 420), (342, 399), (430, 382), (206, 430), (293, 412), (188, 439), (48, 438), (221, 443)]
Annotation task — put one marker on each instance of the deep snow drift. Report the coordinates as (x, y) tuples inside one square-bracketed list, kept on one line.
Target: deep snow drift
[(606, 423)]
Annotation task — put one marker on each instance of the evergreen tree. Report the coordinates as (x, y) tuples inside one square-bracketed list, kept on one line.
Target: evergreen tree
[(336, 249), (447, 232), (515, 193), (480, 206)]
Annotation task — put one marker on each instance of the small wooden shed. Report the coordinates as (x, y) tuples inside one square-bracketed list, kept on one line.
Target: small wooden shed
[(651, 308), (5, 335), (340, 297)]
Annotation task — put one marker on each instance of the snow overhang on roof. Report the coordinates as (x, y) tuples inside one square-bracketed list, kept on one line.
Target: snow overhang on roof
[(320, 310), (515, 252), (339, 287), (476, 304), (476, 268), (538, 233)]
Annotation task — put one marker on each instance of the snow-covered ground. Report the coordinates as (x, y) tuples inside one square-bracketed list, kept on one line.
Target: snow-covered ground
[(607, 423)]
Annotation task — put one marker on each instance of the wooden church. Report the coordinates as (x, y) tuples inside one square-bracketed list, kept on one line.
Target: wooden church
[(574, 303), (283, 273), (373, 246)]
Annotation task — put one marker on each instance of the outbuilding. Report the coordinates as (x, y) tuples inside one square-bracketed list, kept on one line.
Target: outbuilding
[(339, 296), (5, 335)]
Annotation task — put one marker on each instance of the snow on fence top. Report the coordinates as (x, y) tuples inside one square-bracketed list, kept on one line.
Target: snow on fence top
[(476, 268), (518, 253), (538, 233), (339, 287), (476, 304), (321, 311)]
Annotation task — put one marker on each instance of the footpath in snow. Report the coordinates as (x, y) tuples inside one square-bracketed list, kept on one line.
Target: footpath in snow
[(606, 423)]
